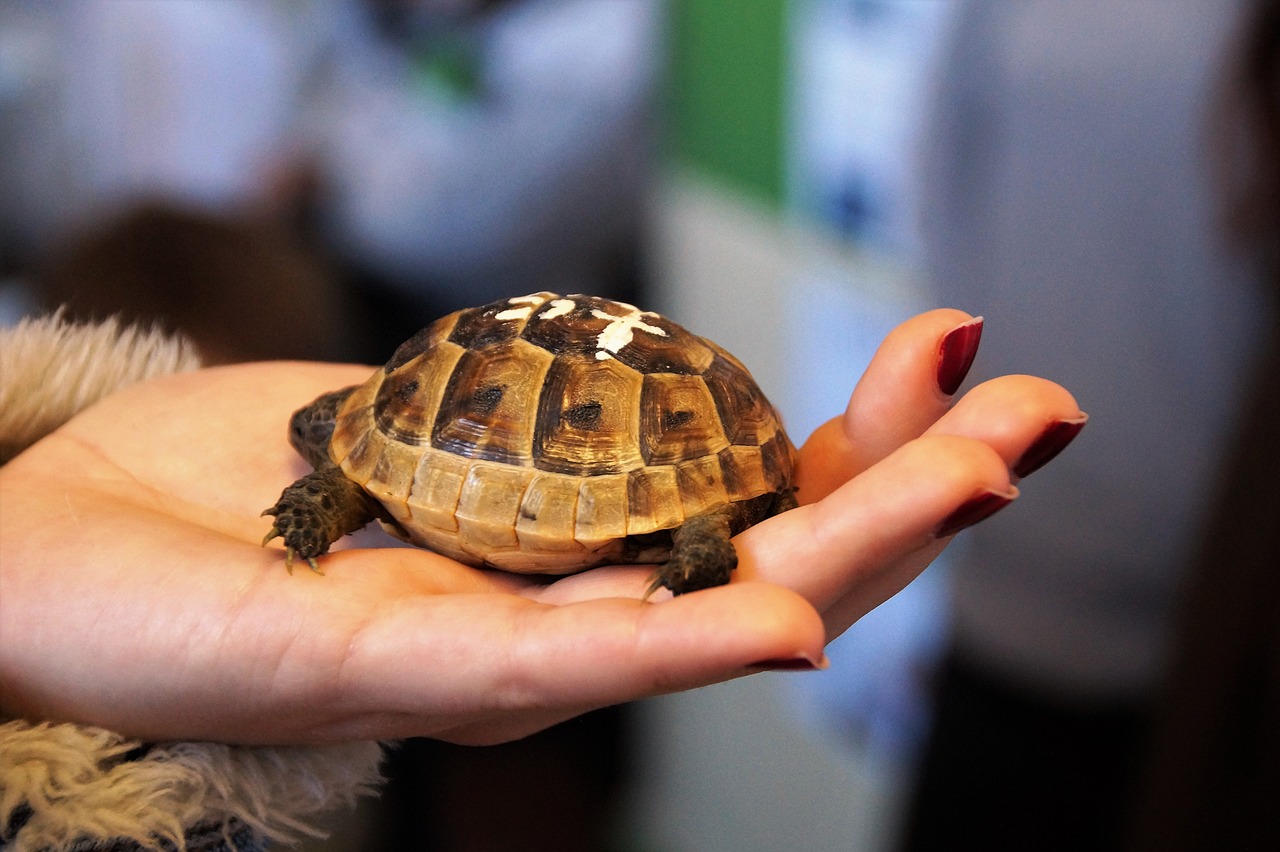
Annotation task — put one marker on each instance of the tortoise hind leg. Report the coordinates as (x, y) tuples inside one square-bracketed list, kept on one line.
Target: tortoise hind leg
[(316, 511), (702, 556)]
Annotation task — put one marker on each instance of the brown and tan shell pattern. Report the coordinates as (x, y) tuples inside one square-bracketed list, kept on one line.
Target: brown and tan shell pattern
[(550, 434)]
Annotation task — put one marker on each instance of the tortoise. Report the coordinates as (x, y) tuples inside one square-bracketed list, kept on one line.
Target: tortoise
[(547, 435)]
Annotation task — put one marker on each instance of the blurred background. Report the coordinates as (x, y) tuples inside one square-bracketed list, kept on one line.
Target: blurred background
[(791, 178)]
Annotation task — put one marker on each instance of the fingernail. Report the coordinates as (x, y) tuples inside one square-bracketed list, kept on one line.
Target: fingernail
[(799, 663), (1052, 441), (974, 510), (955, 355)]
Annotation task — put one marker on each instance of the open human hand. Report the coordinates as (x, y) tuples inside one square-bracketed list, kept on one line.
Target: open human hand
[(135, 595)]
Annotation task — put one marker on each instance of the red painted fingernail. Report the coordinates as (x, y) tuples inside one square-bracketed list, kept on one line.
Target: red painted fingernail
[(790, 664), (956, 353), (975, 509), (1052, 441)]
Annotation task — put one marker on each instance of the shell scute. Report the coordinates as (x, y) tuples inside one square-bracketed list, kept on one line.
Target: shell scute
[(701, 485), (497, 322), (777, 457), (570, 333), (743, 471), (678, 419), (484, 410), (747, 417), (406, 401), (392, 479), (488, 506), (653, 500), (353, 423), (425, 340), (588, 418), (437, 488), (674, 350), (361, 455), (547, 519), (602, 510)]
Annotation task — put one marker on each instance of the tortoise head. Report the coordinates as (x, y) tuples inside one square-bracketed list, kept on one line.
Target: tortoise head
[(311, 427)]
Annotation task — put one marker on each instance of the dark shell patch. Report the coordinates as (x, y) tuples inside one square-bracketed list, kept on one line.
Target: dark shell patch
[(404, 391), (584, 416), (485, 401), (676, 419)]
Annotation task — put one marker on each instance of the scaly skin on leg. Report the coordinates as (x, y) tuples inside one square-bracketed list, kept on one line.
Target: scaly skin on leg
[(316, 511), (702, 556)]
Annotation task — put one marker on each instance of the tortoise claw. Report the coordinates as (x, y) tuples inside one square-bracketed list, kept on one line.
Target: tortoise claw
[(290, 554), (271, 533)]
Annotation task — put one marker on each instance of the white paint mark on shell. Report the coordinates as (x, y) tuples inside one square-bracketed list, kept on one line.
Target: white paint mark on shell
[(621, 329), (559, 307), (527, 305), (514, 313)]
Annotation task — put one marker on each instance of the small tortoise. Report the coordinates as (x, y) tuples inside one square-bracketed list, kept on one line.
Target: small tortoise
[(546, 434)]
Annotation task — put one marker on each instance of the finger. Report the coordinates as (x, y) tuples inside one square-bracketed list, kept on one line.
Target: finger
[(853, 546), (1024, 448), (1027, 420), (483, 668), (906, 387)]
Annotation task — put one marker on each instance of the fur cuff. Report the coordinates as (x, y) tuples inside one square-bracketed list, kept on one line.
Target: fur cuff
[(50, 369), (61, 784)]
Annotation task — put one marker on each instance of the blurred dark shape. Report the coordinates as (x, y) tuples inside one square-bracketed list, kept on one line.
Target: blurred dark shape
[(991, 745), (559, 790), (1213, 777), (1245, 138), (242, 288), (1114, 679), (1212, 780)]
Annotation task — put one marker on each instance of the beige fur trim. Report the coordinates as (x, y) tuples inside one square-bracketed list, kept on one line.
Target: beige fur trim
[(77, 785), (50, 369)]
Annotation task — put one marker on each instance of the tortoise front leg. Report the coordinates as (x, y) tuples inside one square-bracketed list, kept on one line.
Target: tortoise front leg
[(316, 511), (702, 556)]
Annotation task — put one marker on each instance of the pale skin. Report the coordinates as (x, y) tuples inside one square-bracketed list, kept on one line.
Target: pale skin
[(135, 594)]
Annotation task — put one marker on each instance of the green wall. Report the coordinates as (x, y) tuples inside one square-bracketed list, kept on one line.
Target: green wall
[(725, 98)]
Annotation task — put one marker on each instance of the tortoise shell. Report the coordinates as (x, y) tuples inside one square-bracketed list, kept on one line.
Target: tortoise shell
[(550, 434)]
